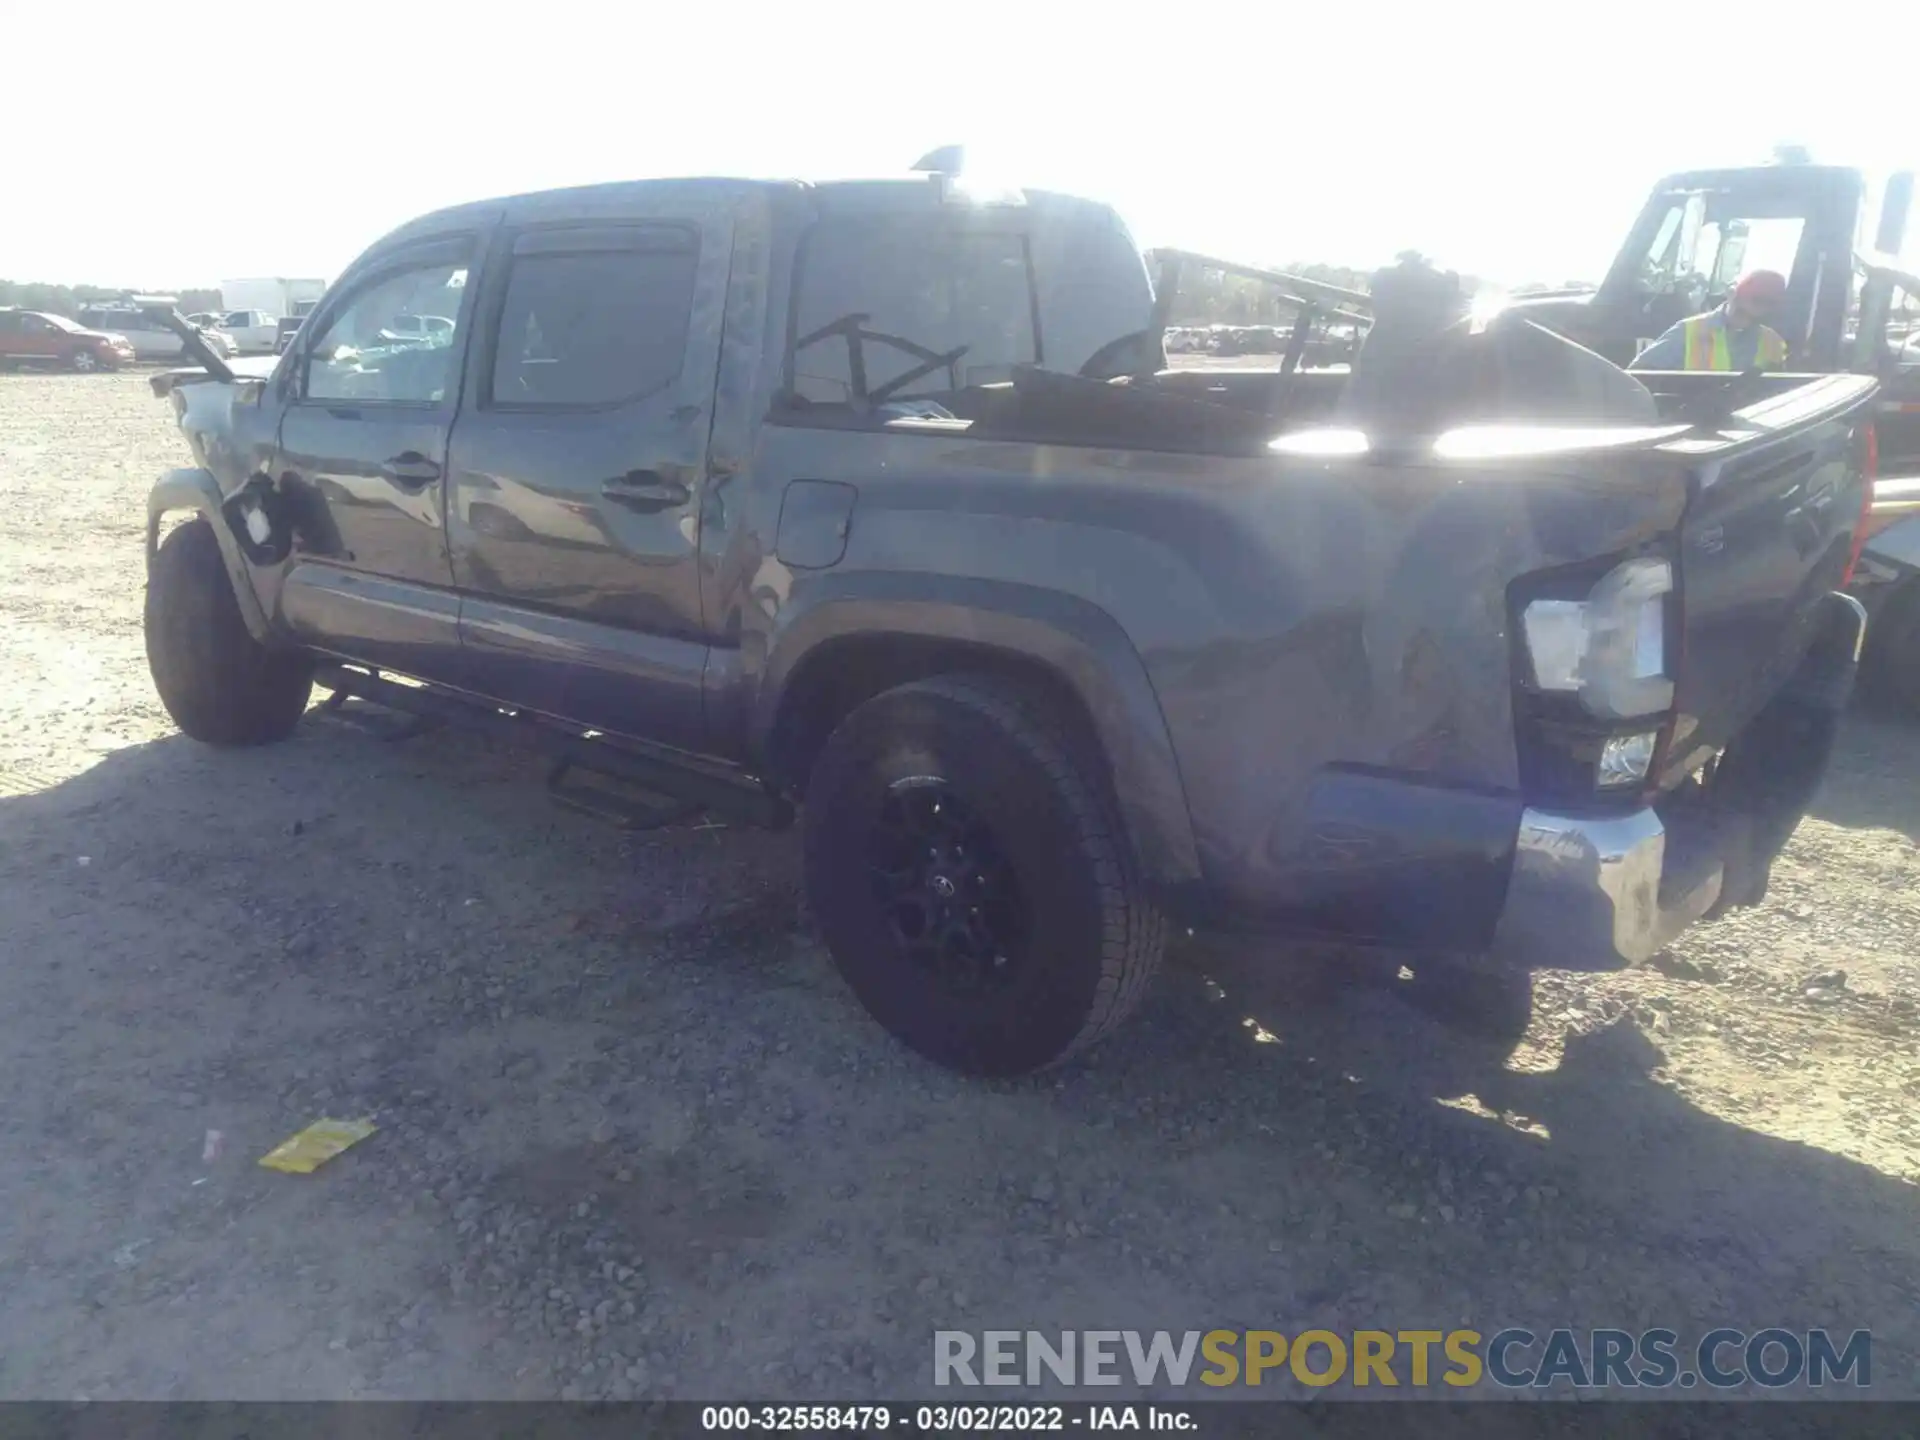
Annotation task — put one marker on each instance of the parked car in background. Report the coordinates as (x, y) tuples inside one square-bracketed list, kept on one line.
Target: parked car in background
[(288, 327), (419, 329), (254, 331), (33, 337), (149, 338)]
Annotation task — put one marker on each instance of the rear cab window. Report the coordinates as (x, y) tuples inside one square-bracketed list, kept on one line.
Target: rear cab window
[(959, 312), (897, 309)]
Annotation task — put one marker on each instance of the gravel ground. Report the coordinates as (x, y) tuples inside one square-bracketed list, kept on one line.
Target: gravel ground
[(637, 1140)]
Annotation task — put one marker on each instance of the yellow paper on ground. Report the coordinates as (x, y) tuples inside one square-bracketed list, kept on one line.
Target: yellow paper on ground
[(306, 1152)]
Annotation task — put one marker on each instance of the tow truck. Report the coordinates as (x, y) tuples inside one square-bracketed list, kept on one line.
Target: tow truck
[(1851, 306)]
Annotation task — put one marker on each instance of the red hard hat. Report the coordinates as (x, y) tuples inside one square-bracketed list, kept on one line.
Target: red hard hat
[(1761, 285)]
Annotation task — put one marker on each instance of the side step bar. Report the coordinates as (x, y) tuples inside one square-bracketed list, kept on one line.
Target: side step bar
[(673, 787)]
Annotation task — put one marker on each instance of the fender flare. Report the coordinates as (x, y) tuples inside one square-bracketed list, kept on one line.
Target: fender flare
[(1073, 638), (198, 490)]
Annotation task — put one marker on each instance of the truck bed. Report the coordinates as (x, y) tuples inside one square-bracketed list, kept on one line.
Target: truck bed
[(1766, 473)]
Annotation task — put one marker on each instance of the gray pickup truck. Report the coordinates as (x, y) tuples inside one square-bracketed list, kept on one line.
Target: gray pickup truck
[(878, 498)]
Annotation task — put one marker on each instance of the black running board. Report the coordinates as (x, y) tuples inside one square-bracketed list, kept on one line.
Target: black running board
[(617, 801), (669, 787)]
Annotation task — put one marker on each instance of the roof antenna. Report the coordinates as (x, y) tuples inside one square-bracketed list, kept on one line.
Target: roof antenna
[(944, 161)]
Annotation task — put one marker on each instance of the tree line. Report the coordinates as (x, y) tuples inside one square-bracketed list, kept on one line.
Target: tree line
[(1208, 296), (70, 300)]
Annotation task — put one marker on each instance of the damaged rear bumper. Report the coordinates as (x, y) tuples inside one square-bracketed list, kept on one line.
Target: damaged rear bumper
[(1600, 892), (1589, 894)]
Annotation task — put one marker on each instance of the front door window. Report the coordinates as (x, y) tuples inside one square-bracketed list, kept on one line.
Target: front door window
[(375, 349)]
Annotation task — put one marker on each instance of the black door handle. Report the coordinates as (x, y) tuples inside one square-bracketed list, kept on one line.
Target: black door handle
[(645, 490), (410, 470)]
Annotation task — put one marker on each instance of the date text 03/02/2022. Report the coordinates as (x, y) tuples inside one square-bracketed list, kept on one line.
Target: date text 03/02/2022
[(1600, 1358), (940, 1419)]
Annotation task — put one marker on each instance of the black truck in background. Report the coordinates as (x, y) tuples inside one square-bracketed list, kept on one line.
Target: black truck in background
[(877, 498), (1852, 305), (1700, 230)]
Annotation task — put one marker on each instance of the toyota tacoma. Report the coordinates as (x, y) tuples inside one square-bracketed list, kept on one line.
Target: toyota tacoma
[(877, 501)]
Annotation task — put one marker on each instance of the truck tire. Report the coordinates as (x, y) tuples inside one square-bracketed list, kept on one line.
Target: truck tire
[(220, 685), (1891, 665), (970, 879)]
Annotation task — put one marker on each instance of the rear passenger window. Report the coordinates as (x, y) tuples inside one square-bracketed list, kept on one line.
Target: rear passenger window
[(594, 319)]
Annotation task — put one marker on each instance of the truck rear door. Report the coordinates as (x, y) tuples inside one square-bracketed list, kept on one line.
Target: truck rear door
[(577, 463)]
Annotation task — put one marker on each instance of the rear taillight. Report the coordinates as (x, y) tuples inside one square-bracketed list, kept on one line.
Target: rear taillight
[(1869, 469), (1608, 647), (1596, 652)]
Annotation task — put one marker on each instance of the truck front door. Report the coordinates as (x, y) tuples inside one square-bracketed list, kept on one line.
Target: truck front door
[(364, 439), (576, 466)]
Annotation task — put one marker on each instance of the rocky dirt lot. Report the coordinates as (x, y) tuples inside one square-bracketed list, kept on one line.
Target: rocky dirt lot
[(637, 1140)]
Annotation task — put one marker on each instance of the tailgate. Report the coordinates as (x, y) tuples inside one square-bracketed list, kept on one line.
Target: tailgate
[(1767, 533)]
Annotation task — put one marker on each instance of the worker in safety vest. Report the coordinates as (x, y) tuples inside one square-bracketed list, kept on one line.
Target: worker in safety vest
[(1733, 337)]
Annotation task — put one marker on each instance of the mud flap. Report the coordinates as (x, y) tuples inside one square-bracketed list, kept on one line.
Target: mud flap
[(1769, 775)]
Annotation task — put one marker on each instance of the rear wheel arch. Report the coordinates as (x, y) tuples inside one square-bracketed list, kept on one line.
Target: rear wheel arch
[(842, 674), (969, 879), (847, 650)]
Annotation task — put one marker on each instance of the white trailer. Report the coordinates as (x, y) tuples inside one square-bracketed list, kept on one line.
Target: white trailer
[(277, 296)]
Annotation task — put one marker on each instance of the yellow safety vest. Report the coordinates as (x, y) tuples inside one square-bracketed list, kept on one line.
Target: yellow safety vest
[(1707, 346)]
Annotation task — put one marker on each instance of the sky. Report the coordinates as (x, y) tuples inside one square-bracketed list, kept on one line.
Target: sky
[(165, 146)]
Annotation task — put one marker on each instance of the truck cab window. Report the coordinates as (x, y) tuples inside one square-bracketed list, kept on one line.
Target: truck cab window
[(369, 350), (1704, 244), (592, 329), (1903, 329), (911, 309), (1663, 256)]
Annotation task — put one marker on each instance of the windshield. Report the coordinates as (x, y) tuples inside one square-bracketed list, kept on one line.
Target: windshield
[(60, 322), (1706, 242), (914, 307)]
